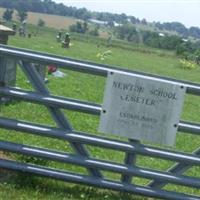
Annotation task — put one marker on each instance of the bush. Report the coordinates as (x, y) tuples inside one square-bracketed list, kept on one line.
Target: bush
[(94, 32), (79, 27), (127, 32), (41, 23), (186, 64)]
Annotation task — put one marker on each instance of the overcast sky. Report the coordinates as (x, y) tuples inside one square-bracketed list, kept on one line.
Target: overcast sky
[(184, 11)]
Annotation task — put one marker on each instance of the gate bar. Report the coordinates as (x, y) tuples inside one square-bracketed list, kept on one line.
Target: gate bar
[(50, 100), (56, 113), (100, 164), (178, 169), (130, 159), (102, 183), (77, 105), (85, 67), (83, 138)]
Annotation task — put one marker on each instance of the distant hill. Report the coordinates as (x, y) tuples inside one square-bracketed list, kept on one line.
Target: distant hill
[(50, 7), (54, 21)]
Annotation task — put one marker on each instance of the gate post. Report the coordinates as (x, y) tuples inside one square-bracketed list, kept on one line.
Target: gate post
[(7, 65)]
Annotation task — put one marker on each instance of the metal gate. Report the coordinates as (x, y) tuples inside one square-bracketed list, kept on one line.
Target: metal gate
[(79, 140)]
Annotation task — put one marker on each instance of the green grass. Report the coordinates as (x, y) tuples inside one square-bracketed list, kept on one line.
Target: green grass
[(89, 88)]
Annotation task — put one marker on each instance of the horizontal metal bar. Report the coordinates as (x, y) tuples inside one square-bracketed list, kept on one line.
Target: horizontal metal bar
[(62, 62), (86, 67), (92, 181), (77, 105), (50, 100), (176, 169), (96, 163), (189, 127), (83, 138)]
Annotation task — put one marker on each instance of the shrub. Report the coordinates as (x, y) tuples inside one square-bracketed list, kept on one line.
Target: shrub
[(186, 64)]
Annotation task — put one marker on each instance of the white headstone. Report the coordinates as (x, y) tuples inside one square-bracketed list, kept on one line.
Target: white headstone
[(142, 108)]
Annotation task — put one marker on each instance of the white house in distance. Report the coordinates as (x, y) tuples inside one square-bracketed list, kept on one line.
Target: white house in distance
[(161, 34), (99, 22), (117, 24)]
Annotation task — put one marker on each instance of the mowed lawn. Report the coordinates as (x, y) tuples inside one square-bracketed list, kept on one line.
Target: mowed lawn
[(89, 88)]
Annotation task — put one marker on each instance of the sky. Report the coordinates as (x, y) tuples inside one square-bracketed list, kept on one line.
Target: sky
[(184, 11)]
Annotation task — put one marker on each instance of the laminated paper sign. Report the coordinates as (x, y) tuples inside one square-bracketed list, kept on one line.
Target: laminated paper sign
[(141, 108)]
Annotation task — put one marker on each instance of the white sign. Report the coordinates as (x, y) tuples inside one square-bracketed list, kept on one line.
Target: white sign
[(142, 108)]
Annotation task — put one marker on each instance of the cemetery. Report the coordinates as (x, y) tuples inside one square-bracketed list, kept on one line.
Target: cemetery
[(101, 125)]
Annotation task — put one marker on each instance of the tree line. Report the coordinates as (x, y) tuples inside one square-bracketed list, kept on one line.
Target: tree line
[(187, 49), (21, 14), (149, 38), (50, 7), (184, 48), (179, 28)]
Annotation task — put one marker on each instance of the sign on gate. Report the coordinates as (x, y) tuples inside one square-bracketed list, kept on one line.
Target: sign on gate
[(142, 108)]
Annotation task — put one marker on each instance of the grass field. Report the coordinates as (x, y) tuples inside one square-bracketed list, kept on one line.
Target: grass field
[(54, 21), (90, 88)]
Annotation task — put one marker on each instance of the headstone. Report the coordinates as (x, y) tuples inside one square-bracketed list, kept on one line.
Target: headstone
[(22, 29), (109, 40), (14, 27), (4, 33), (21, 33), (66, 42), (59, 36), (142, 108)]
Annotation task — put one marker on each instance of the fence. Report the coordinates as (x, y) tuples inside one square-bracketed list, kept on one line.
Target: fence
[(78, 140)]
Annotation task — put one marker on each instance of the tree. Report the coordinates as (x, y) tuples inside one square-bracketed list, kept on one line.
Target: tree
[(194, 32), (41, 23), (111, 24), (85, 27), (94, 32), (22, 15), (133, 19), (79, 27), (197, 56), (127, 32), (184, 47), (7, 15), (144, 21)]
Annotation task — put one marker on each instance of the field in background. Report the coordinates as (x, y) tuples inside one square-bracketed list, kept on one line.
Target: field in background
[(54, 21), (61, 22), (90, 88)]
